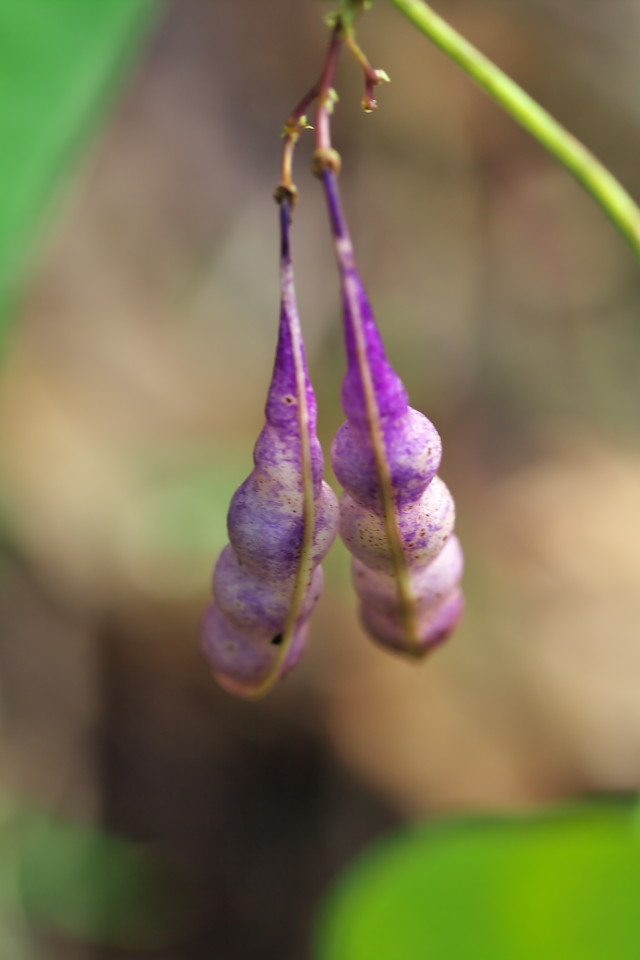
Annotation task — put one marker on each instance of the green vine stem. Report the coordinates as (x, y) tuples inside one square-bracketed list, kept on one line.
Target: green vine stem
[(587, 169)]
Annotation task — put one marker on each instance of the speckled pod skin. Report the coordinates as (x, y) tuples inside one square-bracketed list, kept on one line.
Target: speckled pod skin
[(396, 514), (281, 522)]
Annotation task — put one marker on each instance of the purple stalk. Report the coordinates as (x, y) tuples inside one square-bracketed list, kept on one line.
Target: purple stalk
[(281, 522), (396, 515)]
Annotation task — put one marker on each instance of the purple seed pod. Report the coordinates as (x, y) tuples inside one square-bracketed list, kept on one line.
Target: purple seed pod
[(281, 522), (396, 515)]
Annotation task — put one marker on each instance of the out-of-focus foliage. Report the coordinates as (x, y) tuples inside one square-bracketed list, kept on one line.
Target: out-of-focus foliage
[(563, 885), (59, 64), (73, 880), (58, 61)]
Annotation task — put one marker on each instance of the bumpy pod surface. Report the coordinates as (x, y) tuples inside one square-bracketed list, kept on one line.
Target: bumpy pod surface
[(281, 522), (396, 514)]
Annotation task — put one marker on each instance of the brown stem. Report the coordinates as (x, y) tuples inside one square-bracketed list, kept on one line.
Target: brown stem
[(293, 127), (322, 92), (326, 93), (372, 77)]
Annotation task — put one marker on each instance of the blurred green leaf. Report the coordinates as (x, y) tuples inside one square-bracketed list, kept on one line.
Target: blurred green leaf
[(560, 885), (80, 882), (15, 940), (85, 883), (59, 60)]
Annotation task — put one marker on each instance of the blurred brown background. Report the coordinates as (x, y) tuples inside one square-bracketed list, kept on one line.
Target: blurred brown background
[(133, 394)]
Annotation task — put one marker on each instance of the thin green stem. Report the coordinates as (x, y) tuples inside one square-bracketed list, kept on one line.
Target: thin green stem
[(587, 169)]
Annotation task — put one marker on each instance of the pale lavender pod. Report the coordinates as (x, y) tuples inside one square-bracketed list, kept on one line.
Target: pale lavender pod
[(281, 522), (396, 515)]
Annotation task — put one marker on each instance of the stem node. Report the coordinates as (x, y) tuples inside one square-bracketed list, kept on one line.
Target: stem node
[(325, 159)]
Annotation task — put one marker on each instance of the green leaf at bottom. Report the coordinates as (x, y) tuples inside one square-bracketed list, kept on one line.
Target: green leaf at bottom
[(562, 885)]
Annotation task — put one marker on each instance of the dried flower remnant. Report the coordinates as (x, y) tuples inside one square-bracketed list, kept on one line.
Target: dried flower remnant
[(396, 514), (281, 523)]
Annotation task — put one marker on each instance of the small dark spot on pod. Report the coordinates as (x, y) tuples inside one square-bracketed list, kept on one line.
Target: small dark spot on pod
[(288, 398), (277, 640)]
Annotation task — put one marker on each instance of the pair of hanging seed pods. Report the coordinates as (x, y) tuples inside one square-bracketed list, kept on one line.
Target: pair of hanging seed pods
[(396, 516)]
